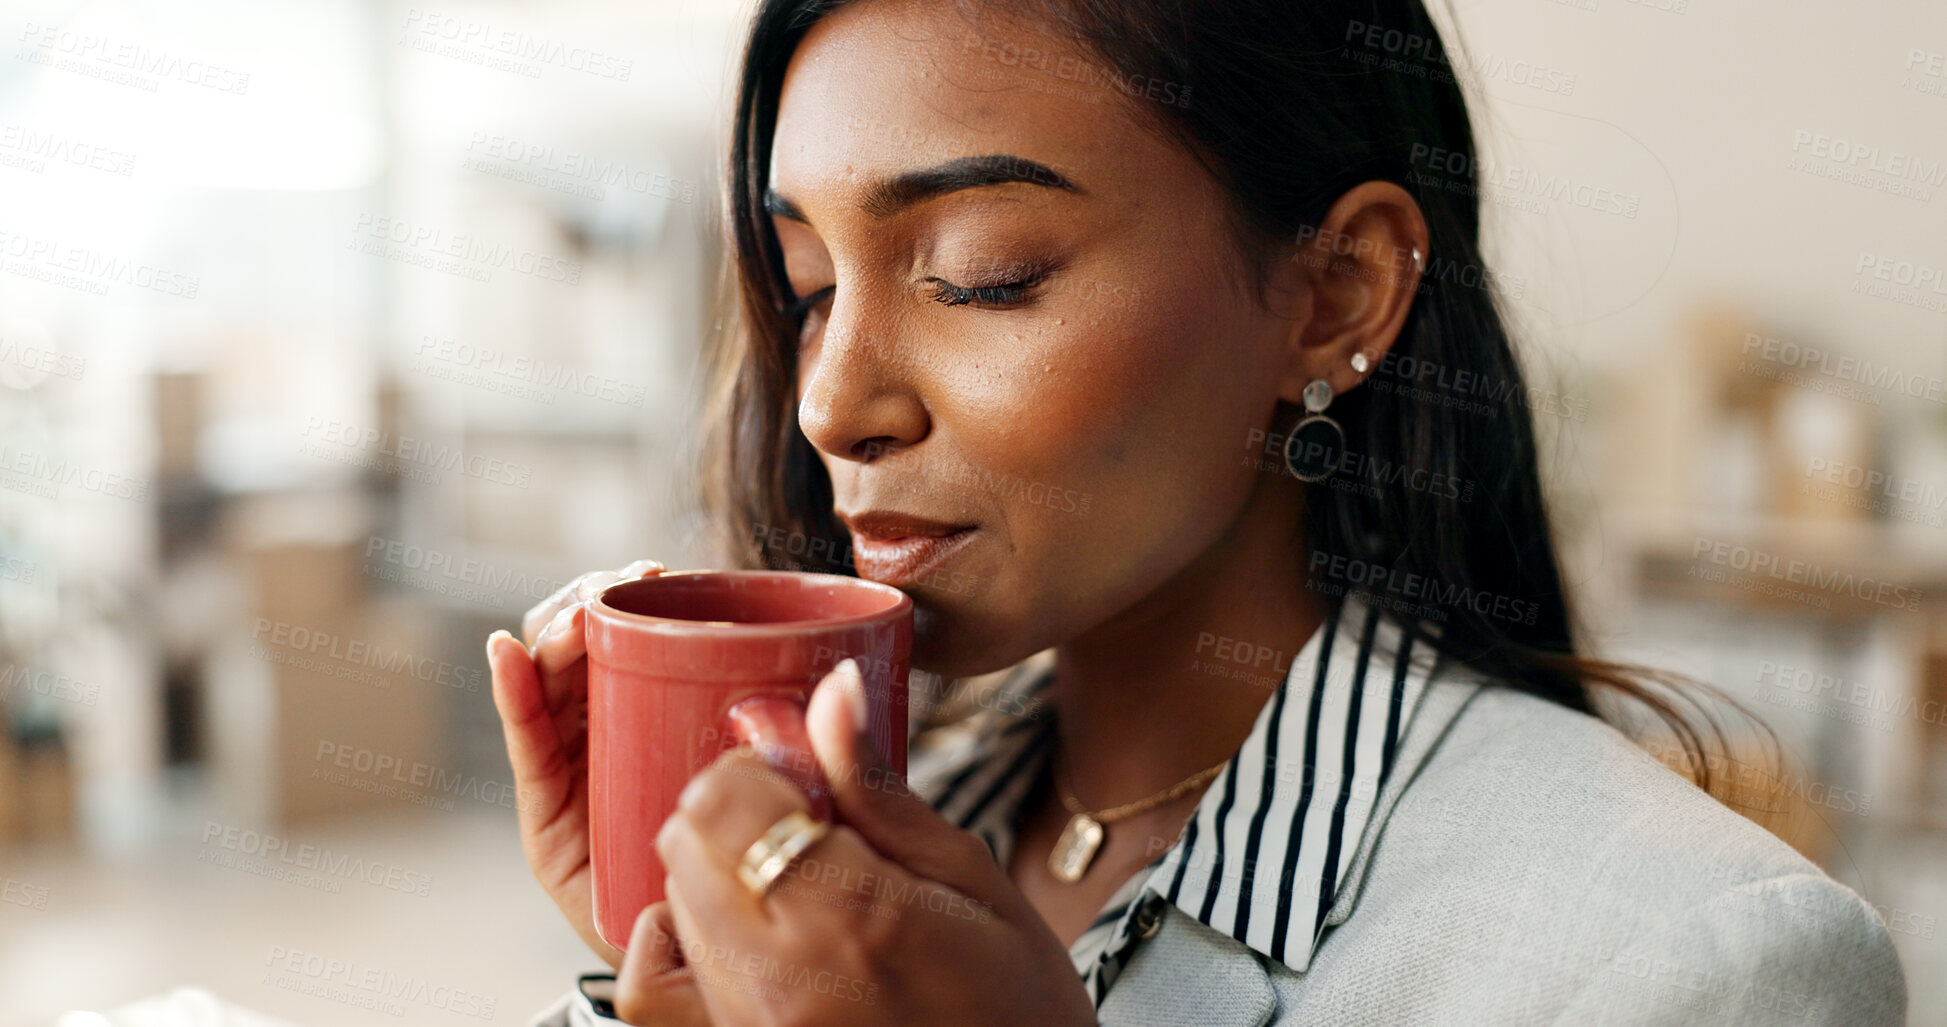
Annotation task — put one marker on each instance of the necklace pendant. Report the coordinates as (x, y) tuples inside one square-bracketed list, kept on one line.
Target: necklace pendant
[(1074, 850)]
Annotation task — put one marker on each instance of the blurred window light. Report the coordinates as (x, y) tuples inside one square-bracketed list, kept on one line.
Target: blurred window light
[(217, 95)]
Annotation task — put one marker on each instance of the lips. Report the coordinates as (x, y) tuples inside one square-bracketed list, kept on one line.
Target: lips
[(895, 548)]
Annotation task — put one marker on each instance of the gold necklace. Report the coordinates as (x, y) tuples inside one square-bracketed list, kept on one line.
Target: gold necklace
[(1076, 847)]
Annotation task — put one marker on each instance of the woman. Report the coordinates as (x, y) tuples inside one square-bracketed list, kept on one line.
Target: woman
[(1081, 320)]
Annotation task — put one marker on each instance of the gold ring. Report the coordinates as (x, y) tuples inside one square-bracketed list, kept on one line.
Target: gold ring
[(768, 857)]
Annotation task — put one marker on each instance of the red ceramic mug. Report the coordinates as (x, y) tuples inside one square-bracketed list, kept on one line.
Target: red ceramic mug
[(684, 665)]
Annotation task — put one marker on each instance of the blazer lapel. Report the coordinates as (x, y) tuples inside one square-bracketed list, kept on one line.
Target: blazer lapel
[(1189, 973), (1445, 698)]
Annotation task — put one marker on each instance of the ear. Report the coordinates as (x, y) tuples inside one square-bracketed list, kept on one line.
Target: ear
[(1361, 277)]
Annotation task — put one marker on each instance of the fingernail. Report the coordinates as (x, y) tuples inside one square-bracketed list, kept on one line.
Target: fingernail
[(561, 622), (491, 639), (640, 567), (854, 683), (592, 585)]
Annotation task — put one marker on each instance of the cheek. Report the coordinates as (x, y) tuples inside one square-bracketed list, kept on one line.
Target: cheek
[(1117, 439), (1154, 407), (1112, 443), (1111, 470)]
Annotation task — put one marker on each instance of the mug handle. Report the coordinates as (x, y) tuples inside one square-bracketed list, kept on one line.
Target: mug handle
[(774, 725)]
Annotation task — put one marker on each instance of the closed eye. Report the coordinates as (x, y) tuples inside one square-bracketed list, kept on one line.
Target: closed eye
[(1004, 294)]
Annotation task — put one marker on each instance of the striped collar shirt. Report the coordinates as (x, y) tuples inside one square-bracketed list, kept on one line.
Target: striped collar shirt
[(1264, 856)]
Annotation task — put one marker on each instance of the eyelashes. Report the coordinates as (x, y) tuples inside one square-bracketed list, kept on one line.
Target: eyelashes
[(999, 295), (1005, 294)]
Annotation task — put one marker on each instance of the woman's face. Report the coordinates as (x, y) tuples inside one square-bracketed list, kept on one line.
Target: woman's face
[(1092, 428)]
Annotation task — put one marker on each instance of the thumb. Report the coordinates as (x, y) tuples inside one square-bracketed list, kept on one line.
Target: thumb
[(875, 800)]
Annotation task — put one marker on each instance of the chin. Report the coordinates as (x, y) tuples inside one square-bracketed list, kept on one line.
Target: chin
[(933, 641), (943, 644)]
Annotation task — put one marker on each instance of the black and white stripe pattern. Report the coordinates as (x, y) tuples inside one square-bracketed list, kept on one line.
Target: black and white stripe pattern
[(1263, 856)]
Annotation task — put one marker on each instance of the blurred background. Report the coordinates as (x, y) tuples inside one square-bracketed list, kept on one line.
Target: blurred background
[(333, 335)]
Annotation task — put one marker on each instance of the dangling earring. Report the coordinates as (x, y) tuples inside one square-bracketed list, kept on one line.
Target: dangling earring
[(1315, 447)]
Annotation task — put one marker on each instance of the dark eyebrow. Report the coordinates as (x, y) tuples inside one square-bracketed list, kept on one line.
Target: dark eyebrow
[(892, 195)]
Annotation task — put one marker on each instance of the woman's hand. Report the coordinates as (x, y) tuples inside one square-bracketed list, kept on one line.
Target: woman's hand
[(895, 917), (541, 692)]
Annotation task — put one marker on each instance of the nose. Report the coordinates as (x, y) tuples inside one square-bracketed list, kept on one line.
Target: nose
[(857, 391)]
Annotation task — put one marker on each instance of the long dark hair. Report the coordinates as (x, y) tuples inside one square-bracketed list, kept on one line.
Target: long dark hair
[(1288, 105)]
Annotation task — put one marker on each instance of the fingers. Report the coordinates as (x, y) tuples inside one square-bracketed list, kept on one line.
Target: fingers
[(543, 613), (727, 808), (543, 763), (723, 809), (654, 986), (560, 645), (774, 725), (562, 642), (642, 568), (539, 691), (538, 616), (876, 801)]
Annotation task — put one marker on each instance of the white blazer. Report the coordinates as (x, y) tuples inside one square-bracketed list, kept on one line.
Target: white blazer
[(1509, 861)]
